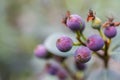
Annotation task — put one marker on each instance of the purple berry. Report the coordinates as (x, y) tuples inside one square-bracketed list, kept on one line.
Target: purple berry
[(95, 42), (64, 43), (75, 23), (40, 51), (110, 32), (83, 54), (80, 66), (52, 69)]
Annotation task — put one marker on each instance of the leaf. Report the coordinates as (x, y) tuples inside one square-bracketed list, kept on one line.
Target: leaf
[(104, 74), (116, 56), (50, 44)]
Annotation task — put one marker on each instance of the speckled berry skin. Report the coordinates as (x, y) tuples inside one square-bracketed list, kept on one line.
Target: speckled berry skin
[(82, 54), (64, 43), (40, 51), (95, 42), (110, 32), (75, 23)]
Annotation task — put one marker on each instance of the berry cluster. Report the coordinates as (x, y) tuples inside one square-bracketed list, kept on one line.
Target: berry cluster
[(98, 44), (94, 43)]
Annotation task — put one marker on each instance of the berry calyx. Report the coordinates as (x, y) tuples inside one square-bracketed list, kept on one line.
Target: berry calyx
[(96, 22)]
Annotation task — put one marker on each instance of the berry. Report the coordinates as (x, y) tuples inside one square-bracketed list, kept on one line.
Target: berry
[(75, 23), (95, 42), (96, 23), (52, 68), (80, 66), (83, 54), (64, 43), (110, 32), (40, 51), (62, 74)]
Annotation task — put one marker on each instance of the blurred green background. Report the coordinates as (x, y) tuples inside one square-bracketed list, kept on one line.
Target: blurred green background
[(27, 23)]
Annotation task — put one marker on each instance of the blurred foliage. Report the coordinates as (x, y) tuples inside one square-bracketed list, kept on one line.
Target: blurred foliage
[(104, 75)]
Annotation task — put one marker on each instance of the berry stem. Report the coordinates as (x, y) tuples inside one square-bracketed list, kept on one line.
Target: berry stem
[(76, 44), (83, 36), (78, 38), (106, 55), (101, 33), (99, 55), (73, 76)]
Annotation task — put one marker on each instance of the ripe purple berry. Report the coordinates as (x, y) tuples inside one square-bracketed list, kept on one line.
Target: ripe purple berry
[(40, 51), (95, 42), (110, 32), (83, 54), (64, 43), (75, 23)]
